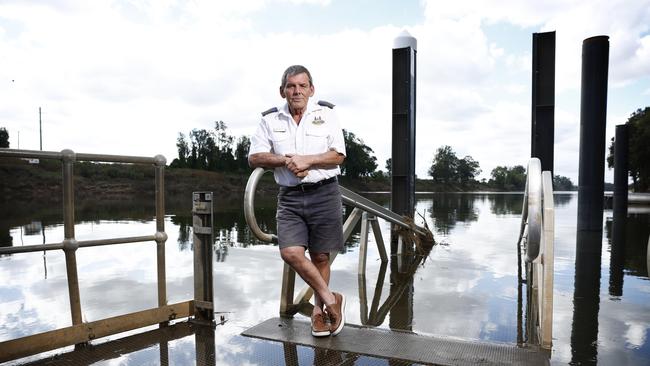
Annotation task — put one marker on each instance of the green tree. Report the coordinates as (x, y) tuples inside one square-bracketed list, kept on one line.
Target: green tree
[(4, 137), (389, 166), (639, 149), (359, 162), (223, 152), (183, 152), (508, 179), (209, 149), (202, 146), (467, 170), (561, 183), (241, 153), (499, 176), (444, 166)]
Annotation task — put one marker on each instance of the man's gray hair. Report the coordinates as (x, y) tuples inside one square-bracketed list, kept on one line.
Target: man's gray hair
[(295, 70)]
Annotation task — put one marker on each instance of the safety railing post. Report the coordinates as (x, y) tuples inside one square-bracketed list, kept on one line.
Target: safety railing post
[(161, 236), (378, 238), (203, 239), (70, 245), (288, 287), (363, 244), (548, 262)]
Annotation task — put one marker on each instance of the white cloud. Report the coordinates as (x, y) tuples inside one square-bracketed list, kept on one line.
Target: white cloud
[(635, 334), (125, 77)]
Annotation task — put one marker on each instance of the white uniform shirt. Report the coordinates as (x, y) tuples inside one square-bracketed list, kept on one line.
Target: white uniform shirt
[(318, 132)]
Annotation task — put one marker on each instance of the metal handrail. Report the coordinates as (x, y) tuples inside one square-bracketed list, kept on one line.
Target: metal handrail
[(249, 207), (350, 198), (531, 218), (79, 244), (538, 231), (547, 261), (77, 333), (69, 154)]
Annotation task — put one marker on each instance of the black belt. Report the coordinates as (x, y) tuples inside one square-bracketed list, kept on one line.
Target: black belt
[(306, 187)]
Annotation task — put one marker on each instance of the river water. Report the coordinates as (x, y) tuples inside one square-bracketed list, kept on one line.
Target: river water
[(467, 288)]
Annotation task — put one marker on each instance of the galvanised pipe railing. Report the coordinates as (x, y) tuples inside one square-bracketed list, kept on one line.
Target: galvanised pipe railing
[(70, 244), (537, 233)]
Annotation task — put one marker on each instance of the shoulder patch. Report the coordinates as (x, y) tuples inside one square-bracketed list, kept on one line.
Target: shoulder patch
[(326, 104), (270, 110)]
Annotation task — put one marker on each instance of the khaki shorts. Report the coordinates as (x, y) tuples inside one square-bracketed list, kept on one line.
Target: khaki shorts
[(312, 219)]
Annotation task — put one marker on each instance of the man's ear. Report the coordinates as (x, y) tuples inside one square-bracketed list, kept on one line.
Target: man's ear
[(311, 91), (282, 93)]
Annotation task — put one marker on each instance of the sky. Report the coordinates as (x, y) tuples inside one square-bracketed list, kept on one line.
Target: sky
[(126, 77)]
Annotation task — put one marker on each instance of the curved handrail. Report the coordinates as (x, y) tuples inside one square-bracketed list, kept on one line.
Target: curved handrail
[(348, 197), (249, 207), (531, 217)]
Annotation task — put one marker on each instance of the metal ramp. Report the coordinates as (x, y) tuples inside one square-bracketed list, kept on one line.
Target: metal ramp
[(399, 345)]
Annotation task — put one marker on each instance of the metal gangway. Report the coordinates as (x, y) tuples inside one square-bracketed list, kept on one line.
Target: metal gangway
[(537, 237)]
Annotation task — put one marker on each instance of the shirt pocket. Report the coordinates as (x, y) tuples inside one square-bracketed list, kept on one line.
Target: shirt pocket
[(282, 144), (316, 141)]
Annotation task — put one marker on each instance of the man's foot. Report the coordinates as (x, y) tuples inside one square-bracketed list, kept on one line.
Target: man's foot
[(336, 313), (319, 328)]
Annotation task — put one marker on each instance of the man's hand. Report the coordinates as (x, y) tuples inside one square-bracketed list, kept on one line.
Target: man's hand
[(298, 164)]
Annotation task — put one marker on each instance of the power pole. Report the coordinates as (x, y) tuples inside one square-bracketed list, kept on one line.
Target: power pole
[(40, 127)]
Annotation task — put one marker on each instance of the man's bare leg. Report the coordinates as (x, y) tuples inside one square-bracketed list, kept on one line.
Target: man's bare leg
[(322, 262), (295, 257)]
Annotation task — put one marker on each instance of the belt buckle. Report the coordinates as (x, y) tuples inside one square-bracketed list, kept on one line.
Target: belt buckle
[(306, 187)]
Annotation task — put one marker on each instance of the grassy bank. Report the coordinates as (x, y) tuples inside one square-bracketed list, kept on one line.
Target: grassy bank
[(21, 181)]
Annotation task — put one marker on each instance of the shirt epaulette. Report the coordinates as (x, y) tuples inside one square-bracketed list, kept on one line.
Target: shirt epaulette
[(270, 110), (326, 104)]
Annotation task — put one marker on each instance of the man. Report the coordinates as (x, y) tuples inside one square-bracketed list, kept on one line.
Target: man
[(303, 141)]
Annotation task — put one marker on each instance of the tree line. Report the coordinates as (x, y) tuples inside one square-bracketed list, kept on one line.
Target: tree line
[(212, 150), (447, 168), (219, 151)]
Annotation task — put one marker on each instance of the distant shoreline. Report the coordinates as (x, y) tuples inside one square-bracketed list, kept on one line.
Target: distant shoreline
[(21, 181)]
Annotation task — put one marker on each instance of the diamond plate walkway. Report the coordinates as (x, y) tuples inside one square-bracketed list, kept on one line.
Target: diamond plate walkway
[(399, 345)]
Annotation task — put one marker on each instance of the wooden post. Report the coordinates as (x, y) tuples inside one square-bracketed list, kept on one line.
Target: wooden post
[(203, 240)]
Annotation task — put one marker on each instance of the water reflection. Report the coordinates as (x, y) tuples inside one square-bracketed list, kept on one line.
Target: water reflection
[(629, 236), (448, 209), (616, 233), (468, 289), (505, 204), (586, 299)]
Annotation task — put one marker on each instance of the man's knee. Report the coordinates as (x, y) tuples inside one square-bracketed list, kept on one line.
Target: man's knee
[(317, 258), (292, 254)]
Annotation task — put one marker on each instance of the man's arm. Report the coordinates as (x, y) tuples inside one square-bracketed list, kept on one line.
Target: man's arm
[(270, 160), (326, 160), (266, 160)]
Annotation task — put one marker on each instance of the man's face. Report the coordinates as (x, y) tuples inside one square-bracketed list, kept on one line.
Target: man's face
[(297, 91)]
